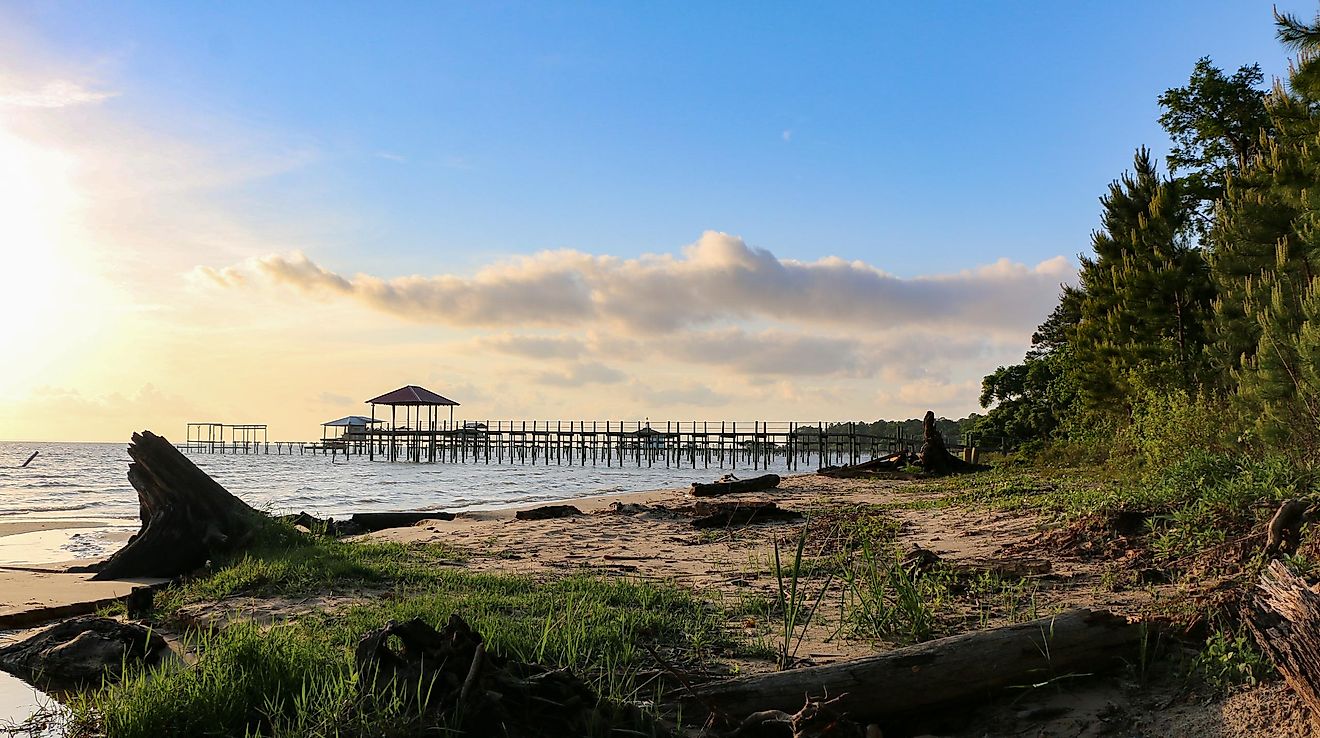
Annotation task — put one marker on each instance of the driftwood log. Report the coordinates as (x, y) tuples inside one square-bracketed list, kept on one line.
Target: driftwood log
[(370, 521), (729, 514), (935, 457), (187, 517), (1284, 617), (961, 668), (548, 512), (83, 651), (885, 467), (755, 484), (366, 522)]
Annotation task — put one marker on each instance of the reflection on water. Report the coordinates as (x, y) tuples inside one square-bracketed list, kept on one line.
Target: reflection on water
[(49, 546), (19, 701)]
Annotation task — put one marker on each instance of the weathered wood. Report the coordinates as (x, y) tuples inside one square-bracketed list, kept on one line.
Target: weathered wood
[(371, 521), (548, 512), (1284, 530), (755, 484), (961, 668), (483, 693), (1284, 617), (82, 651), (728, 514), (187, 517), (889, 467)]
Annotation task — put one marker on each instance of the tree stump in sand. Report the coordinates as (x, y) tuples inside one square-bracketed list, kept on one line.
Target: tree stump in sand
[(187, 517), (935, 457)]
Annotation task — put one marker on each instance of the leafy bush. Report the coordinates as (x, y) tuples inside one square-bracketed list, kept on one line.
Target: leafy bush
[(1166, 425), (1229, 660), (1206, 497)]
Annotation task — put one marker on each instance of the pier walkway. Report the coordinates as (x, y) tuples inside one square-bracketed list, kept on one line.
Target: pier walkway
[(722, 444)]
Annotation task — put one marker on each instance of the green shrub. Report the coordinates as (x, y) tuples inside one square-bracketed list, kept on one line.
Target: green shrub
[(1229, 660)]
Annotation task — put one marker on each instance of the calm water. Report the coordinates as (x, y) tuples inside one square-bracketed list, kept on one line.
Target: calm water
[(87, 481), (19, 700)]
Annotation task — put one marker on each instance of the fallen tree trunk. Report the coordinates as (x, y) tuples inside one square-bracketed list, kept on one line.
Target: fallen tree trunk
[(1284, 617), (187, 517), (755, 484), (366, 522), (955, 669), (890, 463)]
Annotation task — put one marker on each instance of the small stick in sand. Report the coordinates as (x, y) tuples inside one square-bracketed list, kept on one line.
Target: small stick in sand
[(29, 459)]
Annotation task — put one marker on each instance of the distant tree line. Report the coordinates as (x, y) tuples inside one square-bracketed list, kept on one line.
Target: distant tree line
[(910, 428), (1200, 298)]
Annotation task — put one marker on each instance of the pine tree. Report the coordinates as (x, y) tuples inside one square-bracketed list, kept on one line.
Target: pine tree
[(1146, 293), (1266, 264)]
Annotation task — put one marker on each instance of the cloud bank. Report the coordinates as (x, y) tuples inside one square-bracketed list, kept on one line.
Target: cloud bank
[(720, 278)]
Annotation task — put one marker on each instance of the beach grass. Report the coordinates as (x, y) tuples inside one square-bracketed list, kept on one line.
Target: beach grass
[(297, 677)]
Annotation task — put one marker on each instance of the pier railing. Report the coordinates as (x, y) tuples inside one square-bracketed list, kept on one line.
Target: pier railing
[(721, 444)]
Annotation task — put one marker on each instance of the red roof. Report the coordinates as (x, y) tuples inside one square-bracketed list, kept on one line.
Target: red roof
[(411, 395)]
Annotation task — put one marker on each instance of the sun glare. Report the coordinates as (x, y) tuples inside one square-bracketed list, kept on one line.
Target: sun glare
[(37, 221)]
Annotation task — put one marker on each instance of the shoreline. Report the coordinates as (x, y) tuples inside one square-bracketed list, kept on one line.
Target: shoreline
[(54, 529)]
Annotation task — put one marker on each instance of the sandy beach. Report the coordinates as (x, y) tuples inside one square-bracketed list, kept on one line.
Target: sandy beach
[(650, 536)]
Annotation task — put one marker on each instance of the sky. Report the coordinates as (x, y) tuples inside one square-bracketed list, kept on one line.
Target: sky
[(252, 212)]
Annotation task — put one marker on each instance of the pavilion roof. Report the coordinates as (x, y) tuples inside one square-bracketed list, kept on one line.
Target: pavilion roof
[(351, 420), (411, 395)]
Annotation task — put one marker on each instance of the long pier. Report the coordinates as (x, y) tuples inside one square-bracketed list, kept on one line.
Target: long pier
[(721, 444)]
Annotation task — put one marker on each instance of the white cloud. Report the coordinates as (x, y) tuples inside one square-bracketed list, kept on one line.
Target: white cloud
[(718, 279), (58, 93)]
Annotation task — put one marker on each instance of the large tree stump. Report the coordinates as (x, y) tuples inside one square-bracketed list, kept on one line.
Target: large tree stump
[(187, 517), (935, 457), (1284, 616), (958, 669)]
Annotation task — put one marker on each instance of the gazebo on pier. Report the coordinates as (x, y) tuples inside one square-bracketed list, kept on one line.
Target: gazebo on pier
[(421, 408), (352, 427)]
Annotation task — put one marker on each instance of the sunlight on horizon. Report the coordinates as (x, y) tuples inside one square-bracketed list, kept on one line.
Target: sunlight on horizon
[(47, 293)]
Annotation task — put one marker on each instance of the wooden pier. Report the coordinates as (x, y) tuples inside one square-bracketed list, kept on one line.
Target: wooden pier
[(617, 443)]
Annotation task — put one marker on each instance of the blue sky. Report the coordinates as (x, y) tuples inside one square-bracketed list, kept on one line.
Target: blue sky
[(919, 137), (669, 210)]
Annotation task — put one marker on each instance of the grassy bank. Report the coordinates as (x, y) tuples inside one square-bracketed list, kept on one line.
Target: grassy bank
[(298, 677), (1158, 541)]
